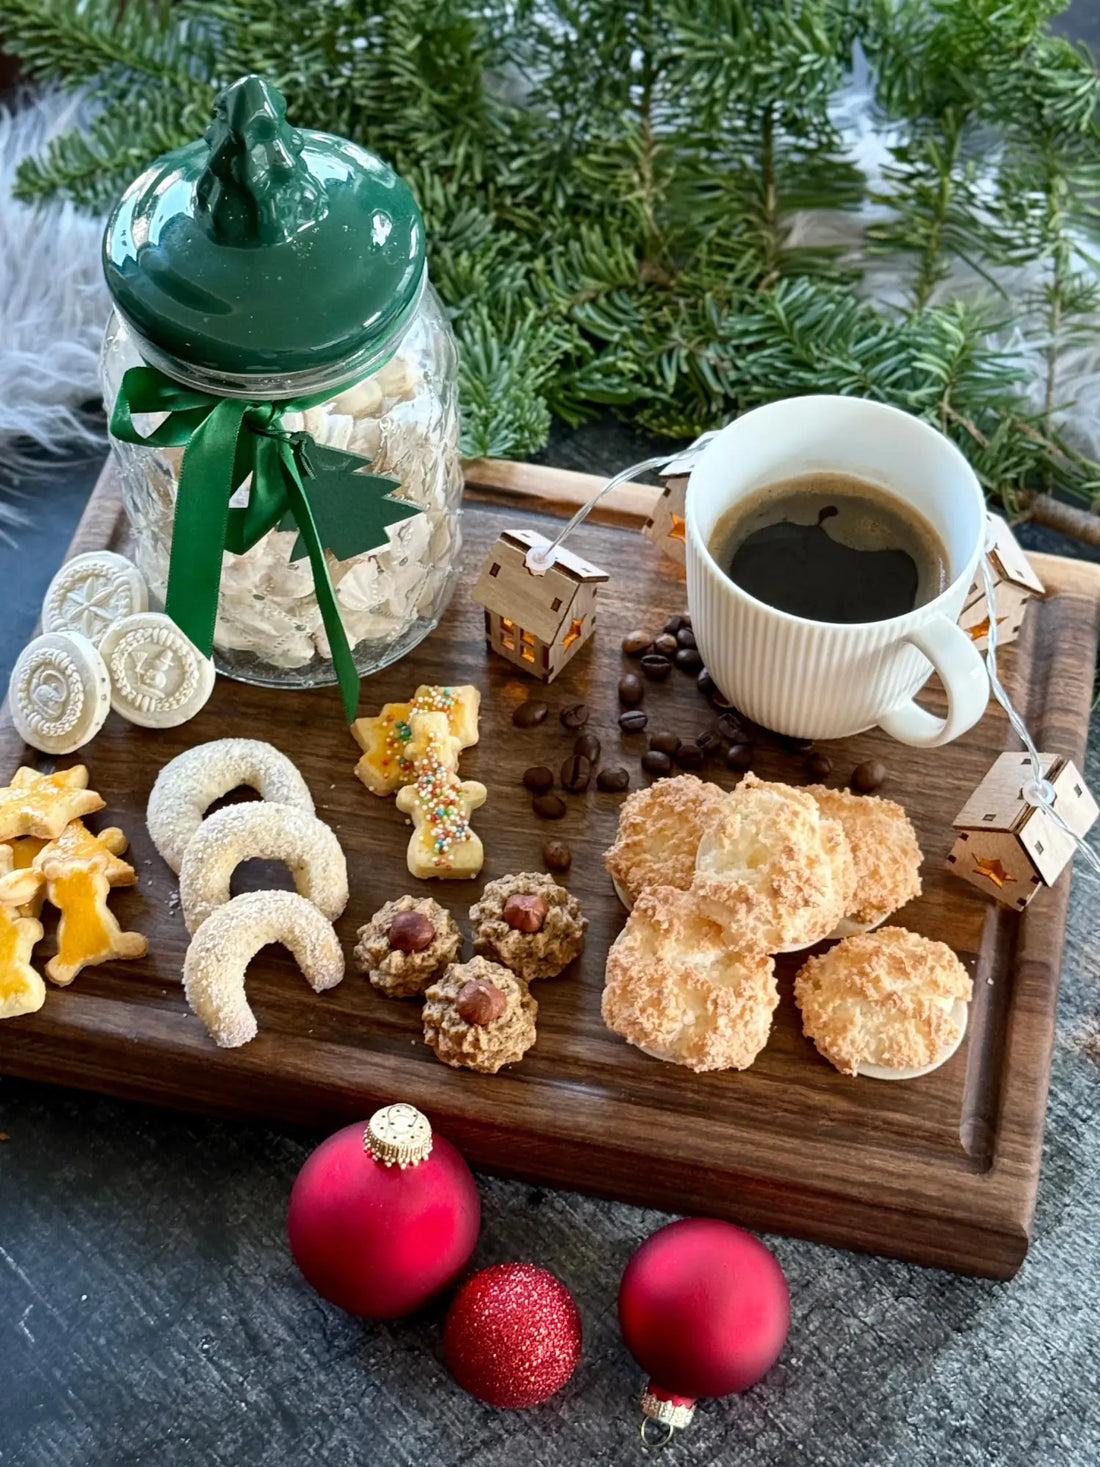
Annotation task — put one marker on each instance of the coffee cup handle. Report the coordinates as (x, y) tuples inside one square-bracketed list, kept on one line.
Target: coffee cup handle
[(965, 680)]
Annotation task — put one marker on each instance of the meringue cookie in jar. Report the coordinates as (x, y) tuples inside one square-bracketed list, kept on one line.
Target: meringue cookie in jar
[(283, 271)]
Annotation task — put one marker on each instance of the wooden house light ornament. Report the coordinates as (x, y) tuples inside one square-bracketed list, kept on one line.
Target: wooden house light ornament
[(1009, 848), (537, 618), (666, 525), (1014, 585)]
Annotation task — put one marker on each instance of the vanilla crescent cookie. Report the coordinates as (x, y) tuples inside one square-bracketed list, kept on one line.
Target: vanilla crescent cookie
[(887, 1003), (190, 783), (219, 953), (659, 833), (159, 678), (273, 833), (59, 694), (91, 592), (885, 852), (772, 869), (676, 988)]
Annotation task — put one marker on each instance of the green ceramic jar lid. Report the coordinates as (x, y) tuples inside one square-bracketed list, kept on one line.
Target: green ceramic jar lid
[(264, 249)]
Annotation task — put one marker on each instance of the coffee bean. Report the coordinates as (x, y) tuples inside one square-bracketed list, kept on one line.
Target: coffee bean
[(732, 729), (635, 643), (633, 721), (589, 746), (689, 756), (674, 623), (538, 779), (548, 807), (631, 690), (574, 715), (706, 684), (689, 659), (819, 765), (613, 781), (793, 745), (665, 644), (868, 776), (664, 743), (411, 932), (655, 667), (530, 714), (656, 763), (576, 774), (525, 913), (686, 637), (686, 619), (739, 756), (710, 741), (557, 855)]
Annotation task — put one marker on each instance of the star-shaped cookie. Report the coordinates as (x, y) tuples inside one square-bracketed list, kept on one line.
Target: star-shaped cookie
[(21, 988), (43, 804)]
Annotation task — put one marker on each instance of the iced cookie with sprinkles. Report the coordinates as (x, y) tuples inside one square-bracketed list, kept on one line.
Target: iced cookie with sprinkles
[(443, 843), (407, 944), (386, 764)]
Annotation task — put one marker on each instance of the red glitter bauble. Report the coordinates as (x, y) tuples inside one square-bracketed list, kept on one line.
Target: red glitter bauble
[(704, 1308), (381, 1240), (513, 1335)]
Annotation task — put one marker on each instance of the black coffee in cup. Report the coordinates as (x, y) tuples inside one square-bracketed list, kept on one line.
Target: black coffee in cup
[(831, 547)]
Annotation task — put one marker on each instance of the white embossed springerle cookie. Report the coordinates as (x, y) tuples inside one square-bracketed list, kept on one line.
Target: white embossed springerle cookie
[(59, 693), (159, 678), (91, 592)]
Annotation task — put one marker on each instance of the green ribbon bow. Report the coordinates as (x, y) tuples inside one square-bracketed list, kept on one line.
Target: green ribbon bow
[(224, 440)]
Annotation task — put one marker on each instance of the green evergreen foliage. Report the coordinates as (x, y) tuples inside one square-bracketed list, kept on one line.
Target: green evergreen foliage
[(609, 188)]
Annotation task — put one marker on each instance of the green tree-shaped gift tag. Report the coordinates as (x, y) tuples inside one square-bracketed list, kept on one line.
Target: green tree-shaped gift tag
[(351, 509)]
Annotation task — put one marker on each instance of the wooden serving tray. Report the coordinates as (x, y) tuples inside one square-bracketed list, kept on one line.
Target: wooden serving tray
[(942, 1170)]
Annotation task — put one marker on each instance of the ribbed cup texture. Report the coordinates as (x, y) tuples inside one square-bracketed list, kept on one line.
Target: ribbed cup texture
[(804, 679)]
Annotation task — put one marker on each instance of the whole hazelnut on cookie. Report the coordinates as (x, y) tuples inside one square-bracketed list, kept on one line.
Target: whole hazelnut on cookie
[(525, 913), (478, 1016), (406, 944), (480, 1001), (530, 924)]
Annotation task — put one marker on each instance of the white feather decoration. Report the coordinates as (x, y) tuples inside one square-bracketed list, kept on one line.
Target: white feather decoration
[(53, 302)]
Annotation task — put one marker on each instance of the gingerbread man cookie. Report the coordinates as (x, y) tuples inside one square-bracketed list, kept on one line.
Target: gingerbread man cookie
[(43, 804), (23, 853), (77, 843), (443, 843), (88, 932), (22, 990), (387, 764)]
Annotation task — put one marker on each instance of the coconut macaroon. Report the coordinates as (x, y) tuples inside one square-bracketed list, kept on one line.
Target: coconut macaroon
[(678, 990), (659, 832), (772, 869), (885, 852), (889, 1000), (530, 924)]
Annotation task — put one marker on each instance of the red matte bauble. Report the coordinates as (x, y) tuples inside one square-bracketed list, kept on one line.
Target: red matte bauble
[(382, 1240), (513, 1335), (704, 1308)]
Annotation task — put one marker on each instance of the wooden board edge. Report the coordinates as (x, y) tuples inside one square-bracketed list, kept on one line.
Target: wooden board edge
[(993, 1248)]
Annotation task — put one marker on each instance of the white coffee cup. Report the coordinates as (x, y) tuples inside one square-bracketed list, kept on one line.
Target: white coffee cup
[(826, 680)]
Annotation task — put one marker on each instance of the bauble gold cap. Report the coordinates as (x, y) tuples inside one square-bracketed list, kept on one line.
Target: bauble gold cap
[(398, 1135)]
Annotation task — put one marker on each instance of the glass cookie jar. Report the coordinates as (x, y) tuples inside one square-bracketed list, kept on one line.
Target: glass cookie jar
[(285, 268)]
